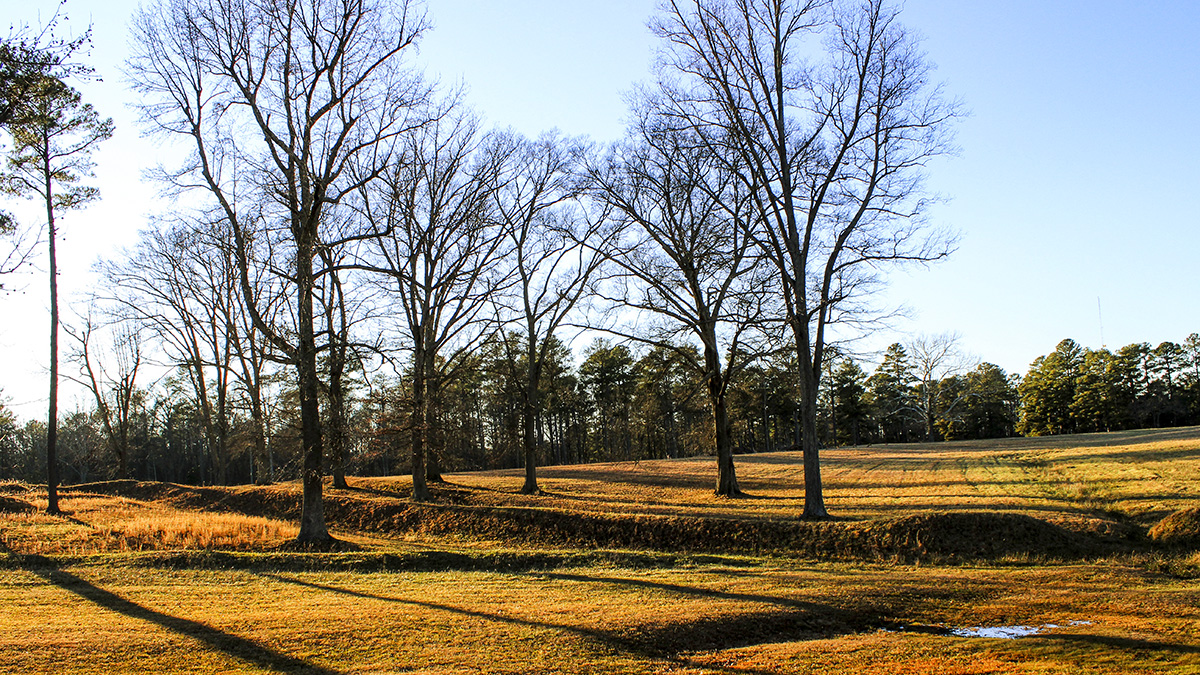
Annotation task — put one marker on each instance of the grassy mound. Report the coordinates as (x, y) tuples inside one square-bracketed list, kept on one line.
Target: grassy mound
[(927, 536), (960, 535), (15, 505), (9, 487), (1181, 529)]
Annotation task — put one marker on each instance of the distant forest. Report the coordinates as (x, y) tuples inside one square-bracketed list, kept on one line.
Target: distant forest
[(619, 404)]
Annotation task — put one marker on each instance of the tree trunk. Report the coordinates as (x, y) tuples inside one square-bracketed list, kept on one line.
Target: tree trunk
[(312, 510), (337, 416), (814, 499), (52, 418), (337, 433), (530, 445), (529, 411), (435, 439), (262, 462), (727, 484), (420, 414)]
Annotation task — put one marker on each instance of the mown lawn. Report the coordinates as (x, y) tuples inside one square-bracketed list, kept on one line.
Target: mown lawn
[(1141, 474), (761, 616), (157, 584)]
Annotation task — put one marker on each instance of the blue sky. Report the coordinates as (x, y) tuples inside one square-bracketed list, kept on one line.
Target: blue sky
[(1077, 179)]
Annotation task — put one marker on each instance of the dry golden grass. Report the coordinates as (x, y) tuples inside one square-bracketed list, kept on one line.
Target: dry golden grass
[(768, 617), (1139, 474), (284, 612), (105, 523), (1181, 528)]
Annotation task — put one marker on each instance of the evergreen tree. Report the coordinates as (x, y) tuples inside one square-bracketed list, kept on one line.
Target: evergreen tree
[(607, 375), (53, 135), (851, 412), (1048, 391), (892, 396)]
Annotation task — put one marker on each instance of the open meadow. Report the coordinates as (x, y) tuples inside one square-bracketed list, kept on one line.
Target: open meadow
[(1088, 544)]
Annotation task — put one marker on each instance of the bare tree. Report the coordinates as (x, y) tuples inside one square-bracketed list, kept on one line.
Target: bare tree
[(552, 256), (685, 258), (52, 143), (934, 358), (289, 106), (437, 246), (832, 154), (345, 304), (19, 249), (114, 387), (180, 285)]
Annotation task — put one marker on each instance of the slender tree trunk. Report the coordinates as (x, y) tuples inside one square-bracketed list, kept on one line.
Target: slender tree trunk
[(123, 453), (223, 421), (337, 432), (262, 462), (529, 412), (337, 414), (420, 416), (52, 418)]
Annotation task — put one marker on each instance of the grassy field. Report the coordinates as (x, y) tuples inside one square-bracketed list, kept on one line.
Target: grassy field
[(631, 567)]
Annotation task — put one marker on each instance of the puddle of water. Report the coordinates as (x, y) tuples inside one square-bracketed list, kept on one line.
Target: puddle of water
[(1008, 632), (1003, 632)]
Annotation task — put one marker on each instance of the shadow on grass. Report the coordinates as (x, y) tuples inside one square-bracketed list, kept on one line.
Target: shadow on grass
[(664, 639), (689, 590), (1128, 644), (233, 645)]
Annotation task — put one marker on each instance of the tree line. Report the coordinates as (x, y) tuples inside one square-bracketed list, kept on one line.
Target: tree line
[(358, 276), (617, 404)]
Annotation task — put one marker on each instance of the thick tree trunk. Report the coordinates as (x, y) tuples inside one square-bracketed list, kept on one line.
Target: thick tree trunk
[(312, 510), (814, 497), (727, 484), (433, 464), (528, 413)]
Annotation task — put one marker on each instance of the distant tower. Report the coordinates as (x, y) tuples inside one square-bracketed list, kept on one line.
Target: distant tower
[(1100, 315)]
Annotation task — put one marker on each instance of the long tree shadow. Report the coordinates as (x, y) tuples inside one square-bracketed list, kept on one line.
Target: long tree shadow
[(690, 590), (667, 640), (1128, 644), (233, 645)]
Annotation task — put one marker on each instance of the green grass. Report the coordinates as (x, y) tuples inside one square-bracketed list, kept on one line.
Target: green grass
[(159, 578)]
